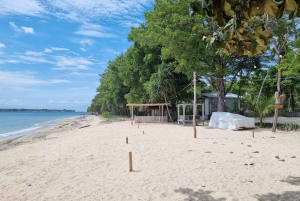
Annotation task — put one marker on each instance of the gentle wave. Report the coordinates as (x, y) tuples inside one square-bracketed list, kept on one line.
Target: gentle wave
[(20, 131)]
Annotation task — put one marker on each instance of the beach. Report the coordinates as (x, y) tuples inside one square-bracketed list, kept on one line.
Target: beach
[(87, 158)]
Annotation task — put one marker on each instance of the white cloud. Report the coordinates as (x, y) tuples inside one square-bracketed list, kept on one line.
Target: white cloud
[(51, 49), (94, 33), (83, 67), (70, 102), (72, 63), (91, 9), (123, 11), (109, 52), (17, 7), (75, 73), (14, 27), (27, 30), (80, 102), (93, 30), (85, 42), (2, 45), (59, 49), (20, 78), (32, 53), (35, 59), (82, 49), (15, 100), (12, 61), (59, 81)]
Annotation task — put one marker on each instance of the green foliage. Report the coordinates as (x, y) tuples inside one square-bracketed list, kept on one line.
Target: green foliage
[(242, 25), (105, 114), (283, 127), (235, 108), (161, 84), (263, 108)]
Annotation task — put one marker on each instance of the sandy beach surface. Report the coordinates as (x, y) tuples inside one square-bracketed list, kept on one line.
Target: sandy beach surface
[(87, 159)]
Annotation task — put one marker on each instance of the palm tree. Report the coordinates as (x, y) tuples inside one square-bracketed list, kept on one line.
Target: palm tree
[(263, 108)]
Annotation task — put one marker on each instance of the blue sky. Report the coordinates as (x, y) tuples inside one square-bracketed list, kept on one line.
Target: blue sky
[(51, 51)]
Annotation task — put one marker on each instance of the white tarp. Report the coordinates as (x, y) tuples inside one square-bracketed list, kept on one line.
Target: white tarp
[(229, 121)]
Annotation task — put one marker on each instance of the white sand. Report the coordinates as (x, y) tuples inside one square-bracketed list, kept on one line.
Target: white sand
[(91, 163)]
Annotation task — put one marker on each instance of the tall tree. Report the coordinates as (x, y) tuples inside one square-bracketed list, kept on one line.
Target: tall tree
[(169, 26)]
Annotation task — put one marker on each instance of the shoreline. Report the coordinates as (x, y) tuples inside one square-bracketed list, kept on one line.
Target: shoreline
[(60, 126), (17, 124)]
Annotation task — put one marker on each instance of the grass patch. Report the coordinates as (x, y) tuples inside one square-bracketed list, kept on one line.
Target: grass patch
[(283, 127)]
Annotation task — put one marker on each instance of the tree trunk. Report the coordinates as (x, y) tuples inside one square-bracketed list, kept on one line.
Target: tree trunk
[(260, 122), (221, 94), (278, 91), (168, 110)]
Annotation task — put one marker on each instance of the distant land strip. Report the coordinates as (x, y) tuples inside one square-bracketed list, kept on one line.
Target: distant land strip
[(34, 110)]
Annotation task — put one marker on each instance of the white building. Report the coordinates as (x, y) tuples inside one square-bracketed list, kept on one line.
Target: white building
[(211, 102)]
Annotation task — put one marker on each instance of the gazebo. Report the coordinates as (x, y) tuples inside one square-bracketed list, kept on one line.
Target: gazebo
[(189, 118), (155, 117)]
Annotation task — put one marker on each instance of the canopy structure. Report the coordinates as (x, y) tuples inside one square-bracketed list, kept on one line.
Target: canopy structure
[(160, 105), (189, 118)]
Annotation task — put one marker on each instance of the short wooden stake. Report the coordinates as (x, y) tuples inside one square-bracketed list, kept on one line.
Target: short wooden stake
[(126, 140), (143, 132), (130, 161), (253, 134), (195, 133), (138, 125)]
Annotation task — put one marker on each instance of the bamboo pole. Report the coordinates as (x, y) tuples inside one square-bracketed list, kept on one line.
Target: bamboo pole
[(194, 108), (130, 162)]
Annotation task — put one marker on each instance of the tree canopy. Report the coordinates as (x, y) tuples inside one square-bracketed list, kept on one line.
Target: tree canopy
[(242, 24)]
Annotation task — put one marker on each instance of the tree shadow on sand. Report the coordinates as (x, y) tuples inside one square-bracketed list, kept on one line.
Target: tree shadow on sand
[(286, 196), (199, 195), (293, 181)]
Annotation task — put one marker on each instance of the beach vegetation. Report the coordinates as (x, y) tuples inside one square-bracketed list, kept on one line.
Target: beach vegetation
[(168, 47), (262, 109)]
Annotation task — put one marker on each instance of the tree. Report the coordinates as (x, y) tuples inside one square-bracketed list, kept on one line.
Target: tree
[(161, 84), (169, 26), (242, 24), (111, 90), (263, 108)]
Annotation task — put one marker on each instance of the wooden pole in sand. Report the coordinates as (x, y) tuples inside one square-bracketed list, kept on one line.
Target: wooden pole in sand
[(131, 114), (162, 114), (126, 140), (253, 134), (194, 108), (130, 161)]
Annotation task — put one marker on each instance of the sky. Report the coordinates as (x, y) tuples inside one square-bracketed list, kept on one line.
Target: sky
[(51, 51)]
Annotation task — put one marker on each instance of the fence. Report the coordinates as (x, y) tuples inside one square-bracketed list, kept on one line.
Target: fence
[(150, 119), (291, 114)]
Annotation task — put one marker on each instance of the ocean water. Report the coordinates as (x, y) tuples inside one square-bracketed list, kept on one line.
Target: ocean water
[(14, 124)]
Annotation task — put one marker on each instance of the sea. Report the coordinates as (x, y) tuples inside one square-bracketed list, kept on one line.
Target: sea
[(15, 124)]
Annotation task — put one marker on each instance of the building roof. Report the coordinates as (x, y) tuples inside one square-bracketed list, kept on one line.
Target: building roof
[(215, 95), (146, 104)]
